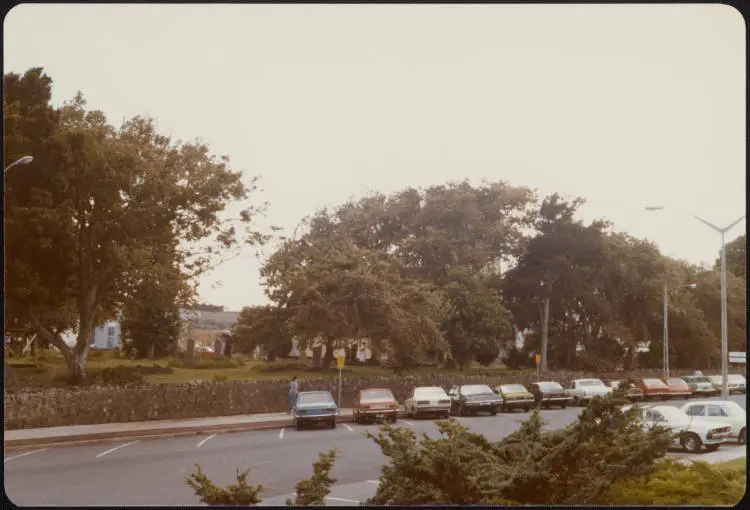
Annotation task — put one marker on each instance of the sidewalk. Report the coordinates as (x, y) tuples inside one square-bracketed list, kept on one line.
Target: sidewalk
[(90, 434)]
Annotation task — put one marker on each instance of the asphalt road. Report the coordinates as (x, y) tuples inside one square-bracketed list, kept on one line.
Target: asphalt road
[(153, 472)]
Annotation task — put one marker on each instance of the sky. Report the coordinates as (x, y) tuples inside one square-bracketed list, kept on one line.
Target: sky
[(627, 106)]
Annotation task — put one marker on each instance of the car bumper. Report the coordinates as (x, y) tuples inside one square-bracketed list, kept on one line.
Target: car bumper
[(555, 400), (442, 408), (315, 417), (680, 393), (524, 402), (377, 412), (482, 406), (724, 438)]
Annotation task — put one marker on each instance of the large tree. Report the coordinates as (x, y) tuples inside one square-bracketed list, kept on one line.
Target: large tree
[(97, 205), (335, 291), (736, 257), (264, 327)]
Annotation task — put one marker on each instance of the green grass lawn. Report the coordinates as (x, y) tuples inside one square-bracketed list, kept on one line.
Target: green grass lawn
[(45, 368)]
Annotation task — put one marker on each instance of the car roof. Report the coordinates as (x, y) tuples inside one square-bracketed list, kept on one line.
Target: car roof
[(376, 389), (314, 392)]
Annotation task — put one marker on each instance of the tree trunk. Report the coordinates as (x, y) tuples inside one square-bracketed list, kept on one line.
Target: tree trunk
[(53, 339), (328, 356)]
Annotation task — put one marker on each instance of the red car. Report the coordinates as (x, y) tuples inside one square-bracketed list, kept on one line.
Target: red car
[(655, 389), (375, 404), (678, 387)]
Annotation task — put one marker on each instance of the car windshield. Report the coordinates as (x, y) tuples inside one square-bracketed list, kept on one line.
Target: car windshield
[(736, 378), (376, 395), (512, 388), (698, 378), (549, 386), (315, 398), (653, 383), (429, 392), (671, 413), (590, 382), (677, 382), (475, 389)]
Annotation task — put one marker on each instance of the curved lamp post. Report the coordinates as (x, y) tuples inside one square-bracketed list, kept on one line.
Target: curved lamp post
[(724, 342), (20, 161)]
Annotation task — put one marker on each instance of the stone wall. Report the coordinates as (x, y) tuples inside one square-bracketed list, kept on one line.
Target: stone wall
[(92, 405)]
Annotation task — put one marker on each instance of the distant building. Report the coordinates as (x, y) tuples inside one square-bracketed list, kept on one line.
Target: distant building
[(206, 328), (107, 336)]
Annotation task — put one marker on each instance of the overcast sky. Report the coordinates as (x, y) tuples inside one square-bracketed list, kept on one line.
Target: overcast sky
[(624, 105)]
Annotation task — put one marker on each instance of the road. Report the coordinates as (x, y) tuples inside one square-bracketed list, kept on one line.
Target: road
[(153, 472)]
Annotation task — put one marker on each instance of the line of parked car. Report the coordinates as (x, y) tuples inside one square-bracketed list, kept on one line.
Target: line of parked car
[(696, 425)]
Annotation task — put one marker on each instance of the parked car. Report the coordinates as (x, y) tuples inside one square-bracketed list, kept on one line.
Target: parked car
[(655, 389), (581, 391), (688, 431), (677, 387), (735, 382), (515, 396), (375, 404), (473, 398), (314, 407), (549, 393), (721, 411), (700, 385), (633, 393), (428, 400)]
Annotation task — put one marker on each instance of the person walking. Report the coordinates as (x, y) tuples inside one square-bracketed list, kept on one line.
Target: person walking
[(292, 394)]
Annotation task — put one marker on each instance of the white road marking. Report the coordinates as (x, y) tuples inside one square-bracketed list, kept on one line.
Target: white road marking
[(345, 500), (408, 423), (348, 427), (116, 448), (22, 455), (281, 434), (204, 441)]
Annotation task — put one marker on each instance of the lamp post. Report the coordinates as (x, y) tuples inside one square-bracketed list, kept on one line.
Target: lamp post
[(666, 324), (20, 161), (724, 342)]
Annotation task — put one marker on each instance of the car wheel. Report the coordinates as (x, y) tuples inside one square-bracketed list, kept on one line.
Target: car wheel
[(691, 442), (333, 424), (563, 406), (356, 418), (503, 409), (527, 409), (742, 436), (712, 447), (687, 397), (494, 412), (461, 411), (447, 416), (576, 401), (298, 425), (393, 419)]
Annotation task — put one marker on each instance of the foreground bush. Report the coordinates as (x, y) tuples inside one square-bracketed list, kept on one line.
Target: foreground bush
[(573, 466), (674, 483), (241, 493), (313, 491)]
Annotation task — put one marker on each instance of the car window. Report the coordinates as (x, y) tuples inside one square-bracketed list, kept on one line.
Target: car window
[(714, 410), (697, 411)]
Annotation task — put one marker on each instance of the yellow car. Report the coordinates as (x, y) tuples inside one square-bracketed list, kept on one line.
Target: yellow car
[(515, 396)]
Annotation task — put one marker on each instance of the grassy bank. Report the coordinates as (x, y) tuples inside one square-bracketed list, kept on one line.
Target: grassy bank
[(49, 369)]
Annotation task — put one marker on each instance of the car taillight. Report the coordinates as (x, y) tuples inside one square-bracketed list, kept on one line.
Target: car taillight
[(301, 411), (331, 409)]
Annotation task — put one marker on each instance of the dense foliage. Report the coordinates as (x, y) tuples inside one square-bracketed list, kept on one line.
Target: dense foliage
[(103, 212), (313, 491), (240, 493)]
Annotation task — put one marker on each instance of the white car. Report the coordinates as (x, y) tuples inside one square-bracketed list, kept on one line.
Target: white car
[(583, 390), (735, 383), (692, 433), (428, 400), (720, 411)]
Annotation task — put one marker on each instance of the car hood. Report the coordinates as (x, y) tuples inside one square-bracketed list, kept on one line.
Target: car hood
[(516, 394), (597, 390)]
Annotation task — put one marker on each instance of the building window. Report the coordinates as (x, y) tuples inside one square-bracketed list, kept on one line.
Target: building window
[(110, 337)]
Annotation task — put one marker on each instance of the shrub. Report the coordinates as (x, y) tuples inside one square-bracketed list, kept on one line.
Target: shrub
[(241, 493), (313, 491), (676, 484), (530, 466), (283, 366)]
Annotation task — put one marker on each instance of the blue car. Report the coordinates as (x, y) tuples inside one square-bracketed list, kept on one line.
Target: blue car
[(315, 407)]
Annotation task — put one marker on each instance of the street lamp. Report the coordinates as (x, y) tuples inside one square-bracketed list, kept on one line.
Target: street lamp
[(724, 342), (666, 324), (20, 161)]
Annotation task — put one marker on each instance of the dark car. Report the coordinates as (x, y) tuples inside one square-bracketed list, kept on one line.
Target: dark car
[(315, 407), (474, 398), (549, 393), (375, 404)]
